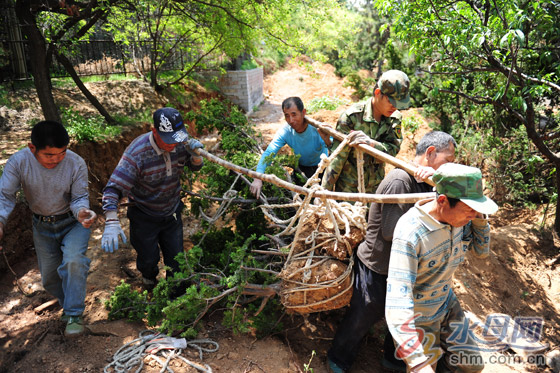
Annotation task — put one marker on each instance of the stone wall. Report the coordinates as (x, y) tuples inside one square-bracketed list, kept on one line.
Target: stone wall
[(243, 87)]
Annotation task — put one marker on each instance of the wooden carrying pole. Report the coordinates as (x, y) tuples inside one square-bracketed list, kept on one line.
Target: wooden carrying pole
[(356, 197), (378, 154)]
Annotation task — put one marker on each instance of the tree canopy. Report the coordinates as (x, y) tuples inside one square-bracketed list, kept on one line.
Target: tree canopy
[(501, 55)]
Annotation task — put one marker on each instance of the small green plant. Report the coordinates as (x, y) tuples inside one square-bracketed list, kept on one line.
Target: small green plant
[(411, 124), (325, 102), (126, 303), (87, 129), (307, 367)]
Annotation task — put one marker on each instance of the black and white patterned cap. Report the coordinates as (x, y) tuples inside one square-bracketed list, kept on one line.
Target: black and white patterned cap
[(169, 125)]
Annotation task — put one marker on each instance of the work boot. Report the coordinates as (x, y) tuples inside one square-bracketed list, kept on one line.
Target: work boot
[(74, 326), (333, 368), (149, 283)]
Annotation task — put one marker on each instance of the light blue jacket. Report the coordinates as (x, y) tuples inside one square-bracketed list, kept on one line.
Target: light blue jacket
[(309, 145)]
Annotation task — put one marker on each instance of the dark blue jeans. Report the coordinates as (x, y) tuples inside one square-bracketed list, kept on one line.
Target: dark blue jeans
[(149, 234), (367, 307)]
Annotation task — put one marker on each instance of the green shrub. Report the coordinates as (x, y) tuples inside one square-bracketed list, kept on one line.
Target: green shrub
[(363, 87), (249, 65), (87, 129), (324, 102), (410, 124)]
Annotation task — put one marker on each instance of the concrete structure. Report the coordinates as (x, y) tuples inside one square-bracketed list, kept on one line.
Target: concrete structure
[(243, 87)]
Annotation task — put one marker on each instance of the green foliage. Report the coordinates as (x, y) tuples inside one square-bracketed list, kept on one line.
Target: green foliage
[(245, 320), (208, 31), (363, 86), (410, 124), (489, 74), (87, 129), (249, 65), (67, 82), (517, 174), (125, 303), (221, 254), (325, 102), (4, 101)]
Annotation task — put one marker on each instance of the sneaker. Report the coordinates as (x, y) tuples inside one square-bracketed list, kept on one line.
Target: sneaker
[(393, 364), (333, 368), (64, 317), (74, 326), (149, 284)]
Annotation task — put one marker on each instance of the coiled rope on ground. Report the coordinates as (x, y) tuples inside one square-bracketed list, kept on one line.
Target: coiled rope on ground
[(153, 345)]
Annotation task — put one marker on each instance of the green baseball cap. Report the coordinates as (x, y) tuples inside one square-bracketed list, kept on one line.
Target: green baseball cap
[(463, 183), (395, 85)]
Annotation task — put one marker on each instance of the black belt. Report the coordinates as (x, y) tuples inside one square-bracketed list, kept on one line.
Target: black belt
[(53, 218)]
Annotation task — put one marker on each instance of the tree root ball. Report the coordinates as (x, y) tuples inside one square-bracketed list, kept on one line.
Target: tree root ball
[(323, 285), (322, 230)]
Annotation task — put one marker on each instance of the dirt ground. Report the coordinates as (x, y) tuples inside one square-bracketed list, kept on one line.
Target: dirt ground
[(521, 277)]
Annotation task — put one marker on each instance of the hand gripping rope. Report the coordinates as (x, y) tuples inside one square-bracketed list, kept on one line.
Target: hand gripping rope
[(153, 345)]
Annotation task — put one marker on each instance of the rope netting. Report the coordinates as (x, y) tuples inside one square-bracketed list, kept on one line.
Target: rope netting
[(317, 274)]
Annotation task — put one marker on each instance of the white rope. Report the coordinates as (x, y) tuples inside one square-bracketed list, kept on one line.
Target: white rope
[(150, 344)]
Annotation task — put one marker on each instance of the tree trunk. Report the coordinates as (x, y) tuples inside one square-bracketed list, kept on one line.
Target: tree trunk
[(39, 61), (94, 101)]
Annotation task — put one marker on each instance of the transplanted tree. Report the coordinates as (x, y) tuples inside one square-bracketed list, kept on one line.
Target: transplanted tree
[(501, 54)]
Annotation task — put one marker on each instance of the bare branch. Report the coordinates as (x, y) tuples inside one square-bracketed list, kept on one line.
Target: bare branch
[(235, 200)]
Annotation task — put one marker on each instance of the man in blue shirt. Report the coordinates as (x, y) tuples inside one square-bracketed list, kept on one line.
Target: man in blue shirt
[(305, 140)]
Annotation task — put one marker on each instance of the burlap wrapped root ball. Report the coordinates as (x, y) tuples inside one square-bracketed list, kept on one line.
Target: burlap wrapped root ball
[(326, 241), (326, 285)]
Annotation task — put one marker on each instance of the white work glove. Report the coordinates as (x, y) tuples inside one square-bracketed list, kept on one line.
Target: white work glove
[(110, 239), (256, 187), (192, 145)]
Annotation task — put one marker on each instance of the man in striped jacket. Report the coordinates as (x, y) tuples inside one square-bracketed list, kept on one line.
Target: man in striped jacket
[(149, 174), (429, 243)]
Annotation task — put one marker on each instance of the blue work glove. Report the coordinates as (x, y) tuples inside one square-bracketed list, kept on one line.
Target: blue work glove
[(110, 239), (192, 145)]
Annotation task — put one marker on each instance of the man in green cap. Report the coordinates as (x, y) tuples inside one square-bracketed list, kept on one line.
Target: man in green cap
[(375, 122), (429, 243)]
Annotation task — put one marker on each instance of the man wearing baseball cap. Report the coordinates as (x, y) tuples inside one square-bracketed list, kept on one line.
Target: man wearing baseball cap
[(429, 243), (149, 174), (375, 122)]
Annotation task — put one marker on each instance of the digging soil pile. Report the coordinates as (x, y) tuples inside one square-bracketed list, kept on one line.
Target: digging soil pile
[(521, 277)]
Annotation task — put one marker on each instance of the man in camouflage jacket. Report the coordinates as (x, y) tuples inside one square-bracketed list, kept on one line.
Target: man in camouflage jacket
[(375, 122)]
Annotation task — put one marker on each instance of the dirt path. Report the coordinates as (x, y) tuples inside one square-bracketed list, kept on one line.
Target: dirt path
[(521, 278)]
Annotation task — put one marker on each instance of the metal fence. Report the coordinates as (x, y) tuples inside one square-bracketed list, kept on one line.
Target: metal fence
[(97, 57), (94, 57)]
